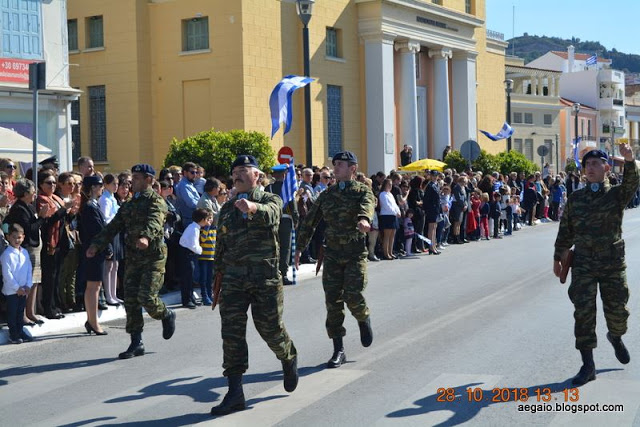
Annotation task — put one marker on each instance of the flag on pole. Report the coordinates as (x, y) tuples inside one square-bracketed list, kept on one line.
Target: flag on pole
[(504, 133), (290, 185), (592, 60), (280, 101), (576, 157)]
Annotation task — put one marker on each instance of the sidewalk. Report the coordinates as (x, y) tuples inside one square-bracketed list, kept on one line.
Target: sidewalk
[(73, 321)]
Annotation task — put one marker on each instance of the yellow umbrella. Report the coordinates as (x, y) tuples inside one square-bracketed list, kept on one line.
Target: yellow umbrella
[(422, 164)]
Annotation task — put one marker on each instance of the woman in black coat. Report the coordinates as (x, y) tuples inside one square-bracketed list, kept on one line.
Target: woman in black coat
[(458, 207), (431, 206), (24, 213), (92, 222), (414, 200)]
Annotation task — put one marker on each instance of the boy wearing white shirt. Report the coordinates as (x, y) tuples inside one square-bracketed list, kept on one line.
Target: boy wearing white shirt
[(17, 280), (189, 250)]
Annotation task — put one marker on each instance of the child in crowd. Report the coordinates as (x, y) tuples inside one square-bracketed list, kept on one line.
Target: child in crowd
[(205, 260), (505, 215), (17, 280), (494, 213), (190, 249), (445, 225), (515, 212), (484, 216), (545, 196), (409, 231), (473, 220)]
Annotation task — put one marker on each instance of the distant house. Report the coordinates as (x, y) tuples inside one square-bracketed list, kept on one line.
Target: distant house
[(568, 62)]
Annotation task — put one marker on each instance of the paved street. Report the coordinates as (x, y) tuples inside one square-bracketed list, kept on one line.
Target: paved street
[(485, 316)]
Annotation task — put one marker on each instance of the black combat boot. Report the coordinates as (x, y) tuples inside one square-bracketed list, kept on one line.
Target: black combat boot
[(622, 354), (169, 324), (338, 357), (588, 371), (290, 374), (366, 334), (234, 399), (136, 348)]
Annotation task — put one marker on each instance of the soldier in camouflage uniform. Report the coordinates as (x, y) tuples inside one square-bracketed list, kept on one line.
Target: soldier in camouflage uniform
[(347, 208), (247, 256), (142, 219), (592, 221)]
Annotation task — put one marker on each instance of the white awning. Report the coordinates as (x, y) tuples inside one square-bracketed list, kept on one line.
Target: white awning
[(20, 148)]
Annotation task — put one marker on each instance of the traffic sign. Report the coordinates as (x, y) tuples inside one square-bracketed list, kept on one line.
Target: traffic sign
[(470, 150), (543, 150), (285, 155)]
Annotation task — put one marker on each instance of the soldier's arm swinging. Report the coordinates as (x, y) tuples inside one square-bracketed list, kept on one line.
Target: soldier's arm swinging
[(630, 177), (308, 225), (564, 241), (106, 236)]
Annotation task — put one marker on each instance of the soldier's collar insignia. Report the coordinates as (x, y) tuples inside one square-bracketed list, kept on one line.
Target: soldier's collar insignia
[(595, 186), (342, 185), (345, 156), (246, 160)]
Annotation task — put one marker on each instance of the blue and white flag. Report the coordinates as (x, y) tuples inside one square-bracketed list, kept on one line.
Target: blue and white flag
[(576, 157), (290, 185), (592, 60), (280, 101), (504, 133)]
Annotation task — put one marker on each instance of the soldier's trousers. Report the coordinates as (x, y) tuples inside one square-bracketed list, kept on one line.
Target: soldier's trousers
[(143, 278), (344, 278), (585, 277), (265, 296)]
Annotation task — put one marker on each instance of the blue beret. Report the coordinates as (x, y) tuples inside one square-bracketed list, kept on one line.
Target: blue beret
[(597, 154), (244, 160), (144, 168), (280, 168), (345, 155), (89, 181)]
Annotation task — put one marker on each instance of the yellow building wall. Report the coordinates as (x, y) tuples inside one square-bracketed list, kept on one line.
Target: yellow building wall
[(119, 67), (491, 98)]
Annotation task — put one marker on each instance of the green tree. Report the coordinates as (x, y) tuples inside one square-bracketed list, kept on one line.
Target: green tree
[(514, 161), (454, 160), (215, 151), (487, 163), (570, 166)]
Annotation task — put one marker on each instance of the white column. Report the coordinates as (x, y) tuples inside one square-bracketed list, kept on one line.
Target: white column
[(442, 120), (463, 97), (635, 130), (380, 116), (408, 108), (540, 85)]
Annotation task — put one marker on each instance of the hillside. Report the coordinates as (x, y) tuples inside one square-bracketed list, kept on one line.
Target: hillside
[(531, 47)]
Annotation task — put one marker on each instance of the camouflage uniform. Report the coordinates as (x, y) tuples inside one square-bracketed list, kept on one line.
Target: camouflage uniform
[(247, 255), (143, 216), (592, 221), (344, 276)]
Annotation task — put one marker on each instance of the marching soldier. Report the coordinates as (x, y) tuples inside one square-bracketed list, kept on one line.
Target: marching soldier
[(247, 256), (347, 209), (142, 218), (592, 221)]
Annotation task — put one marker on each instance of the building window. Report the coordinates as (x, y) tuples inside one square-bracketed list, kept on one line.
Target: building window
[(517, 145), (334, 122), (75, 129), (528, 148), (468, 6), (21, 29), (548, 119), (95, 34), (528, 118), (549, 144), (334, 48), (72, 30), (437, 2), (589, 127), (98, 123), (517, 117), (195, 34)]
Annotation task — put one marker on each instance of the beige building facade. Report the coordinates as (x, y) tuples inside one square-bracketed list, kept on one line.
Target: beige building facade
[(388, 73)]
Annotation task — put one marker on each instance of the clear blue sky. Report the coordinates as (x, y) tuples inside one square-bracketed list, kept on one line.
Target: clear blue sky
[(614, 23)]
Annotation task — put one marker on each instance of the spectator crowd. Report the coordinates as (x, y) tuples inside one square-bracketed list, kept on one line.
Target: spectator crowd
[(47, 229)]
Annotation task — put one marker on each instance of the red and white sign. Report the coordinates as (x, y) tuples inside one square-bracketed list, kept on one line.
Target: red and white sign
[(285, 155), (14, 70)]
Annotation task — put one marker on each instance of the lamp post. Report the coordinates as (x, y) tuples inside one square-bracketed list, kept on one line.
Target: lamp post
[(304, 9), (508, 87), (576, 110)]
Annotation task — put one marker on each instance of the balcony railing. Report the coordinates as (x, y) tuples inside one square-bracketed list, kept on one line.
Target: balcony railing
[(495, 35)]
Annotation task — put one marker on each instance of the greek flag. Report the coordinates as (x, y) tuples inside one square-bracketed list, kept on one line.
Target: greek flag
[(592, 60), (290, 185), (280, 101), (504, 133), (576, 157)]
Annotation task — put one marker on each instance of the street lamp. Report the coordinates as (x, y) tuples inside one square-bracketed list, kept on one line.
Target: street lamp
[(304, 9), (612, 146), (576, 110), (508, 87)]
